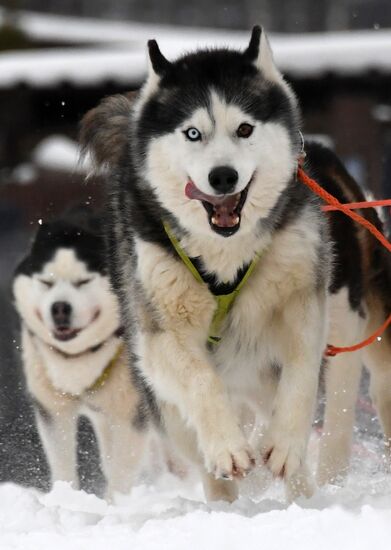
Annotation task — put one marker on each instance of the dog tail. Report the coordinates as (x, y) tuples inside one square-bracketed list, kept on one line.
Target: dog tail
[(104, 131)]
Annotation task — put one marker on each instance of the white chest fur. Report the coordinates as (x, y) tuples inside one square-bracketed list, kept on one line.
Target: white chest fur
[(69, 375)]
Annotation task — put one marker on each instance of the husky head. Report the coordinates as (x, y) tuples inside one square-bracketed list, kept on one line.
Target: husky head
[(61, 289), (217, 136)]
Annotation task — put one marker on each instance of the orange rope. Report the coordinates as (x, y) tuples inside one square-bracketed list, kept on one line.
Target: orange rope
[(357, 205), (334, 203), (331, 351), (327, 197)]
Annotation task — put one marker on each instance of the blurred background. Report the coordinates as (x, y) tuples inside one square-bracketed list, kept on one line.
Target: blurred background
[(58, 59)]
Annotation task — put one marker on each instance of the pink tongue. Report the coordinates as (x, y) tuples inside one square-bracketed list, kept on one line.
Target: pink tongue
[(224, 206)]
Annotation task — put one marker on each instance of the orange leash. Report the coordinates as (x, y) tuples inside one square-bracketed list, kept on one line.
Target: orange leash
[(356, 205), (334, 204)]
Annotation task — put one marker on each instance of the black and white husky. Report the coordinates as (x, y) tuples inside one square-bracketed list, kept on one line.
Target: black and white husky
[(223, 259), (73, 354)]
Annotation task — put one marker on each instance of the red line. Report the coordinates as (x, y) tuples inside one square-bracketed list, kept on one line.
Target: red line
[(332, 201), (357, 205)]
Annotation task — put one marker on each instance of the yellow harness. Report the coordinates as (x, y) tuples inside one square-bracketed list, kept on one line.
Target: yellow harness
[(224, 302), (101, 380)]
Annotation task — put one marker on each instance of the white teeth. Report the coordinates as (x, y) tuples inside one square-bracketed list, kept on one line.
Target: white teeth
[(235, 220)]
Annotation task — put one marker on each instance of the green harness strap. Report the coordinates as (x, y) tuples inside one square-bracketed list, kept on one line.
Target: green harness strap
[(223, 301)]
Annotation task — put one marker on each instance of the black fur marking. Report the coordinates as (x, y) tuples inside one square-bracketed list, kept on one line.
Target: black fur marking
[(292, 201), (189, 82), (148, 407), (131, 199), (252, 50), (324, 166), (87, 246), (276, 369), (215, 286), (149, 320), (159, 63), (141, 418), (41, 411)]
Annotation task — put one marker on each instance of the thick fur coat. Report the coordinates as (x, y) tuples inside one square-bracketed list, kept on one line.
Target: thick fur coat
[(210, 148)]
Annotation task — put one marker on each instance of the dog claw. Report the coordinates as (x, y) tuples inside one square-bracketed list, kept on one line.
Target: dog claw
[(234, 465)]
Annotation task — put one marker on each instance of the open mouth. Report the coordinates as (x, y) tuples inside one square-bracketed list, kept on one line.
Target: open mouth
[(224, 211), (64, 333)]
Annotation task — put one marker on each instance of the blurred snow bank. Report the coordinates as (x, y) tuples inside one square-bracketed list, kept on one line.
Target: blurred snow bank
[(116, 51), (59, 153)]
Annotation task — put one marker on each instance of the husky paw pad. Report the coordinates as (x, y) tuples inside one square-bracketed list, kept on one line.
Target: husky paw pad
[(283, 460), (235, 464)]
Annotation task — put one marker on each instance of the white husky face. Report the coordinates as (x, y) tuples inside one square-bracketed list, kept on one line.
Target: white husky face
[(224, 164), (263, 161), (67, 305)]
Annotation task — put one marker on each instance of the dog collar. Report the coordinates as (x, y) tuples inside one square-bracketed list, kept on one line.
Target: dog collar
[(224, 302), (101, 380)]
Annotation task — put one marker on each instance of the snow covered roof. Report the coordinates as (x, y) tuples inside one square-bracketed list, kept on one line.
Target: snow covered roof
[(116, 51), (63, 29)]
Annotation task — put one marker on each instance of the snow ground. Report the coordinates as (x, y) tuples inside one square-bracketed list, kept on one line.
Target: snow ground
[(172, 515)]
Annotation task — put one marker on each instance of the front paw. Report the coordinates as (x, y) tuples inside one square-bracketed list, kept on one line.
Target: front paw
[(283, 454), (229, 461)]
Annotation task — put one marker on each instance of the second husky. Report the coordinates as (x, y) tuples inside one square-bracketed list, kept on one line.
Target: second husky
[(74, 358)]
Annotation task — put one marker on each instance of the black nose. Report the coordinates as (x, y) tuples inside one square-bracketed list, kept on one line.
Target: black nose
[(61, 313), (223, 179)]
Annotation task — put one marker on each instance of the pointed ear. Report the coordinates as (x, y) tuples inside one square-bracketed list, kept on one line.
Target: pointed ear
[(260, 53), (252, 50), (158, 63)]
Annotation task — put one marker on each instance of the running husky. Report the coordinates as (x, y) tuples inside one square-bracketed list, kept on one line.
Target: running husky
[(73, 354), (223, 259)]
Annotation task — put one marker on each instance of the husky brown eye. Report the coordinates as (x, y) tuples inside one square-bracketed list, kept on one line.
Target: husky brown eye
[(245, 130), (193, 134), (82, 282)]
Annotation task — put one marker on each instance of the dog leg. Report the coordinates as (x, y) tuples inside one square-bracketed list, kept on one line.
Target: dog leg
[(381, 395), (300, 484), (219, 489), (182, 376), (58, 436), (342, 380), (121, 448), (185, 440), (377, 357), (302, 337), (174, 359)]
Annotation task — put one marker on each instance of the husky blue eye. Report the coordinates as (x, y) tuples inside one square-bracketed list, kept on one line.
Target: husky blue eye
[(193, 134), (245, 130)]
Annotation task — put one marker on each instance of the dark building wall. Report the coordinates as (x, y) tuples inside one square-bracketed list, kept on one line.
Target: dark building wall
[(341, 108)]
